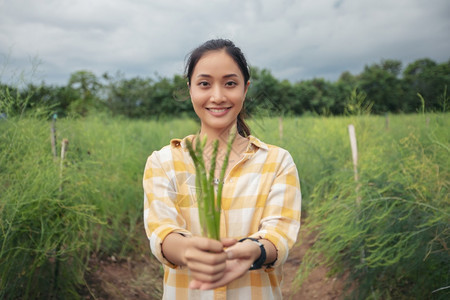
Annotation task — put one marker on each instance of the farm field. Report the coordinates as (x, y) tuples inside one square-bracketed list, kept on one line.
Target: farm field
[(383, 234)]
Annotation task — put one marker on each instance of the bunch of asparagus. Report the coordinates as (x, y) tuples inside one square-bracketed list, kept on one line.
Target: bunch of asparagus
[(208, 202)]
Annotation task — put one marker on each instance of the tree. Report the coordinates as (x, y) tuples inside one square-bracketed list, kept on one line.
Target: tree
[(146, 98), (263, 96), (382, 86), (304, 92), (344, 87), (128, 97), (85, 86), (426, 77)]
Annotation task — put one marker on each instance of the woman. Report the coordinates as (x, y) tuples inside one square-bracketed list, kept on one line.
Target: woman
[(260, 213)]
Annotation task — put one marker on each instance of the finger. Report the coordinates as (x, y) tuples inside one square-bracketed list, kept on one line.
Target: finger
[(198, 267), (234, 271), (203, 257), (195, 284), (228, 242), (207, 278), (242, 250), (208, 245)]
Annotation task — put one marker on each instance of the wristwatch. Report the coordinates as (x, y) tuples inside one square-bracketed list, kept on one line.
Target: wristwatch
[(259, 262)]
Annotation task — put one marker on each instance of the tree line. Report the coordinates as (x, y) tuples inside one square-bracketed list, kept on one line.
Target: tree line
[(380, 88)]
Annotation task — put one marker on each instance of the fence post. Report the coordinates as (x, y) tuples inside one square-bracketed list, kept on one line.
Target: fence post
[(53, 136), (353, 144), (64, 146)]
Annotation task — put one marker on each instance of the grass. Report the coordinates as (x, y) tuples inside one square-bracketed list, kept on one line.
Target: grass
[(50, 224), (394, 242)]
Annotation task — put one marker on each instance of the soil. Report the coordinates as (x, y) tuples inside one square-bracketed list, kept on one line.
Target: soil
[(318, 285), (141, 277)]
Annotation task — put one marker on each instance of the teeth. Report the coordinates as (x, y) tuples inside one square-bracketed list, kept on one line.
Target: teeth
[(217, 110)]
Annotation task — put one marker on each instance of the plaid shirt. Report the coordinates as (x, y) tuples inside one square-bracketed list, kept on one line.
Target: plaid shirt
[(261, 199)]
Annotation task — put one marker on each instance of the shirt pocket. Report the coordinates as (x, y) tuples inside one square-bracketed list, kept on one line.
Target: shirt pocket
[(185, 195), (186, 203)]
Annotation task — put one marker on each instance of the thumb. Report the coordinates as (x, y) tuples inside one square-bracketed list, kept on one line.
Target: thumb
[(242, 251), (195, 284)]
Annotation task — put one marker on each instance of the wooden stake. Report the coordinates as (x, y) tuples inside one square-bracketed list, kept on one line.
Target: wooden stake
[(353, 144), (53, 138), (64, 146)]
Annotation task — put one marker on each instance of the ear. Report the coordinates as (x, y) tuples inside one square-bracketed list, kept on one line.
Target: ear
[(246, 88), (189, 88)]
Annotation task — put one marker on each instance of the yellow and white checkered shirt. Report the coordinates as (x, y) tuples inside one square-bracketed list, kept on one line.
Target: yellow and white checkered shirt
[(261, 199)]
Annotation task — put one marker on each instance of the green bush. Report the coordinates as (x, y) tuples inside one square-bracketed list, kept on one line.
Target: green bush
[(390, 230), (53, 218), (44, 240)]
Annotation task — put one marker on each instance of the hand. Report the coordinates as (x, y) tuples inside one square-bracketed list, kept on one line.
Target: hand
[(240, 258), (205, 258)]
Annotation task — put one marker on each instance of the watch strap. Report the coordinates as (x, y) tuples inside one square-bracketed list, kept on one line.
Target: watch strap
[(259, 262)]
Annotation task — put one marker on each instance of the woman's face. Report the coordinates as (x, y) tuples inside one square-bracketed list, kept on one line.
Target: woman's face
[(217, 91)]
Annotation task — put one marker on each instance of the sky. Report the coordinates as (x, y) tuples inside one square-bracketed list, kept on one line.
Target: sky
[(47, 40)]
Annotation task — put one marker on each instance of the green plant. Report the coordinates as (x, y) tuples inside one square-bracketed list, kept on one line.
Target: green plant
[(422, 102), (45, 240), (402, 222), (357, 104), (12, 103), (394, 244), (208, 202)]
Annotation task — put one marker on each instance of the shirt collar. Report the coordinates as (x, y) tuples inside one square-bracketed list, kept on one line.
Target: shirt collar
[(181, 143), (254, 142)]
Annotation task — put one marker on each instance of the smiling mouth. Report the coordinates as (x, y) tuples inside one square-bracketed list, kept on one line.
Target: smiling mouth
[(218, 110)]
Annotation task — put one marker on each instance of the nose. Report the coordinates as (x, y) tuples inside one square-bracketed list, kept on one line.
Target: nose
[(217, 95)]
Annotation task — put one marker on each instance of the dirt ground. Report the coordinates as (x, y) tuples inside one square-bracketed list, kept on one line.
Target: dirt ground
[(141, 277), (317, 285)]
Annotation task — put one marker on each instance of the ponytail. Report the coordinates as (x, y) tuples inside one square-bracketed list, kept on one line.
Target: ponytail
[(242, 127)]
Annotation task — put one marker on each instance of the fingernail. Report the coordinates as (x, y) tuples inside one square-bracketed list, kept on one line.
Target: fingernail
[(229, 254)]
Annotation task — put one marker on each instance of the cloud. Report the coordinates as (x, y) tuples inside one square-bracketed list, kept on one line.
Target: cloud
[(297, 40)]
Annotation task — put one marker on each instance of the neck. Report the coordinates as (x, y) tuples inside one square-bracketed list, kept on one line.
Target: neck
[(239, 146), (221, 135)]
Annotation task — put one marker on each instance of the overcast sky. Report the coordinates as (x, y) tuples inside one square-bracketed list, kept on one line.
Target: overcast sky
[(48, 40)]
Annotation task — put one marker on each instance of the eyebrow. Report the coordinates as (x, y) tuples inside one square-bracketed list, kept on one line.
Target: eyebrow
[(225, 76)]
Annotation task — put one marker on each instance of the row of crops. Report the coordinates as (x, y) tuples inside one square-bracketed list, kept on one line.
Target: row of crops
[(387, 228)]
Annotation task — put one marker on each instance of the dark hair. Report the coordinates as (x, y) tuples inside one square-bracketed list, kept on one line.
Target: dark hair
[(236, 54)]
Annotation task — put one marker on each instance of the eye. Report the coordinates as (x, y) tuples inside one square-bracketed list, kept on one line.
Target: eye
[(203, 84), (230, 83)]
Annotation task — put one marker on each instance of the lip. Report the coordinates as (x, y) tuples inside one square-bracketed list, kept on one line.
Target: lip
[(218, 111)]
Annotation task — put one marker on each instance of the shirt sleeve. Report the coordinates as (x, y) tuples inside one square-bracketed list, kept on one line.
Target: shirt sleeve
[(161, 215), (280, 222)]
